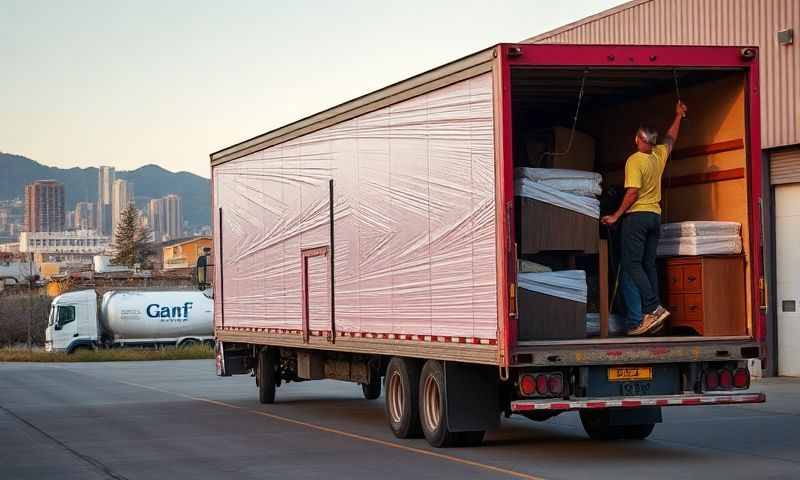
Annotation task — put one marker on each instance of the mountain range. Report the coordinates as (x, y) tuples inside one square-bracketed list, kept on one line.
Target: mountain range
[(80, 184)]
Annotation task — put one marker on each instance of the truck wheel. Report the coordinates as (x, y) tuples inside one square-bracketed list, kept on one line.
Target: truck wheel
[(402, 383), (433, 410), (265, 376), (372, 390)]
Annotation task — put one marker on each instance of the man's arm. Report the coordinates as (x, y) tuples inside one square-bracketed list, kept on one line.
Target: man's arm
[(672, 133), (631, 195)]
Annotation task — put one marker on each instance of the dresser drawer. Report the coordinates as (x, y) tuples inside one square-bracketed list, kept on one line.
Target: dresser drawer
[(674, 279), (692, 278), (693, 307), (675, 307)]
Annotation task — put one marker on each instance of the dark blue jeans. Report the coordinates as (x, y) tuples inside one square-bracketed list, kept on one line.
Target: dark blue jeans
[(633, 302), (640, 232)]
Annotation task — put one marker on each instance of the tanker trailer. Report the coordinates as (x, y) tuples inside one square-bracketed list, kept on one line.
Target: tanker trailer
[(129, 318)]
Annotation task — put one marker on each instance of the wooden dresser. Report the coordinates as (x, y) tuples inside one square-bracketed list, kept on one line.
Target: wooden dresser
[(706, 294)]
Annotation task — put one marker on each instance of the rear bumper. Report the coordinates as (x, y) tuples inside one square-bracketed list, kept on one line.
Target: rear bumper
[(521, 406)]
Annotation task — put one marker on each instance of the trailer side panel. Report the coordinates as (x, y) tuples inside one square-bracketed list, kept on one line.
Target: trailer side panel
[(414, 237)]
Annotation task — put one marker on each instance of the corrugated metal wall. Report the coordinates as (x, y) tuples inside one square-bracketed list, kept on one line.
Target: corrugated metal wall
[(784, 166), (712, 22)]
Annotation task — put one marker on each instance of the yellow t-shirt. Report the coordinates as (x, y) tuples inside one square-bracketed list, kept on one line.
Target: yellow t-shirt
[(643, 171)]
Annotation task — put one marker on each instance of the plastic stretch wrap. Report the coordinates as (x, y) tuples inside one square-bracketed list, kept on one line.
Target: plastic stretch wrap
[(567, 284), (579, 182), (414, 204), (705, 245), (570, 189), (698, 229)]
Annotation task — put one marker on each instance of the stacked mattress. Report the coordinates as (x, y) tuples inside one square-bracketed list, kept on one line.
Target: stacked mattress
[(700, 238), (571, 189), (565, 284)]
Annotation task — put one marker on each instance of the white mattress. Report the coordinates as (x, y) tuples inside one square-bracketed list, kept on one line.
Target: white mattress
[(578, 182), (566, 284), (700, 229), (703, 245), (571, 189)]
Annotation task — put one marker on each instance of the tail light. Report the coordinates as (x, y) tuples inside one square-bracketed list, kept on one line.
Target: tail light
[(527, 385), (725, 379), (741, 378), (711, 380), (542, 384), (555, 385)]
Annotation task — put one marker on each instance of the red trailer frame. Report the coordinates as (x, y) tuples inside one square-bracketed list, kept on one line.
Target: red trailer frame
[(605, 56)]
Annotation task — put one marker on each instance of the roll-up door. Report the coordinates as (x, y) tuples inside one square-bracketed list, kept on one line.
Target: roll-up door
[(784, 165)]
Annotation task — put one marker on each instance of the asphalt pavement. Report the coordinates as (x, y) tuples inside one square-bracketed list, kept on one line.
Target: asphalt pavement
[(132, 420)]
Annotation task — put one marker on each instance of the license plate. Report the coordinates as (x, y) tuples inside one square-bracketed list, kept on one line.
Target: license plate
[(626, 374)]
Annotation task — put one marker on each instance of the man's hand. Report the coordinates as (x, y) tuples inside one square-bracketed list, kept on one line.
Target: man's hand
[(681, 109), (609, 219)]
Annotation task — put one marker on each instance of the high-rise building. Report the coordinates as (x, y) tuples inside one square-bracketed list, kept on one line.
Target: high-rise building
[(44, 206), (69, 220), (85, 216), (121, 198), (174, 216), (157, 214), (105, 192)]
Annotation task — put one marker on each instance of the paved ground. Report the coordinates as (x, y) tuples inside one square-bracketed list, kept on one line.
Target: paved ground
[(177, 420)]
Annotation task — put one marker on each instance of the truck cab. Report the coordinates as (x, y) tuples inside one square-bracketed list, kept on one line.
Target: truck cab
[(73, 322)]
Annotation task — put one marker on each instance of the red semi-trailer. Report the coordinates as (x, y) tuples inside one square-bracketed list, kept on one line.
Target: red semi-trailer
[(379, 240)]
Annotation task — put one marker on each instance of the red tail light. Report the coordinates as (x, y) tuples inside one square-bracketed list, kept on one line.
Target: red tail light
[(527, 385), (711, 380), (741, 378), (725, 379), (541, 385)]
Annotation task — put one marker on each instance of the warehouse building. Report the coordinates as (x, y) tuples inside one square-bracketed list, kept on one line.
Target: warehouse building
[(771, 26)]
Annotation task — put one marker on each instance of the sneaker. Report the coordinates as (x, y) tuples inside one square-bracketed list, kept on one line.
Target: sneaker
[(650, 322)]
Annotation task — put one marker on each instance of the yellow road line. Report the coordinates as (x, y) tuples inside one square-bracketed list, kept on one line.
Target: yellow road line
[(343, 433)]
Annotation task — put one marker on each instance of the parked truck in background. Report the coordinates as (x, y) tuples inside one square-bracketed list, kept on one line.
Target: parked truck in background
[(129, 318), (379, 239)]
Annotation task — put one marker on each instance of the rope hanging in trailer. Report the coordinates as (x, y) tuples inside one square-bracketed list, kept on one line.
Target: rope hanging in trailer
[(574, 121)]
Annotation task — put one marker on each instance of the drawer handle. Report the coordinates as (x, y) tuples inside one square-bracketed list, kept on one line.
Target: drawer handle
[(692, 278), (692, 307)]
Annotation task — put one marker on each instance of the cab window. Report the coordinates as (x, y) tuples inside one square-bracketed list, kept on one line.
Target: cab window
[(66, 314)]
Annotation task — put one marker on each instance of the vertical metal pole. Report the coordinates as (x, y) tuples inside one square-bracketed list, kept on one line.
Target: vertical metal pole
[(221, 276), (333, 301)]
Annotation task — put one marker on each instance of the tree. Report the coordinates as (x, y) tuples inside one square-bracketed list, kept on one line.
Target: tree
[(132, 240)]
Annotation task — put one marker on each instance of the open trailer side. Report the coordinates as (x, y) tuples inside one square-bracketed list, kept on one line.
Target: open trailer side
[(378, 239)]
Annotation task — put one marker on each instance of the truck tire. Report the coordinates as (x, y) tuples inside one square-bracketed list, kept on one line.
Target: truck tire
[(402, 383), (266, 376), (433, 410), (372, 390), (598, 430)]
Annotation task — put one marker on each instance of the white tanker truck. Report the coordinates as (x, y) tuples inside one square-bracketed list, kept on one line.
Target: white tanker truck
[(129, 318)]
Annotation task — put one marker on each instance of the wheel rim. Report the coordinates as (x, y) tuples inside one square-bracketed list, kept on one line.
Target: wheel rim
[(395, 396), (432, 406)]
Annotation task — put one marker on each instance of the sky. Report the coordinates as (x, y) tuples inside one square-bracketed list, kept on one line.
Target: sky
[(89, 83)]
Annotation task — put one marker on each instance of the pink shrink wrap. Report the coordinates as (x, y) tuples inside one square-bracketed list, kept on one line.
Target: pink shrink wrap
[(414, 223)]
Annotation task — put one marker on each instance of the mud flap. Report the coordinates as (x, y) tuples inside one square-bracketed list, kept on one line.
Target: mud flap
[(472, 396)]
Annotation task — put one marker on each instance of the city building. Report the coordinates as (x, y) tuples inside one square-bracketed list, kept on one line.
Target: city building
[(44, 206), (184, 253), (69, 220), (105, 187), (157, 214), (85, 216), (174, 216), (76, 246), (121, 198), (771, 26)]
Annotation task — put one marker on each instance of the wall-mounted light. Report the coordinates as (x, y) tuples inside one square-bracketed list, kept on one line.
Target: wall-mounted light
[(786, 37)]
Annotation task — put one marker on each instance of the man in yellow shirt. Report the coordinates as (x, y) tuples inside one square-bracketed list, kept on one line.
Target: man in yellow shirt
[(641, 224)]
